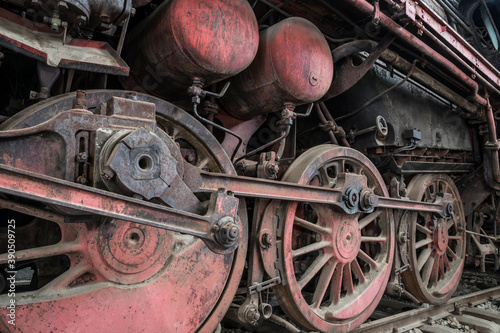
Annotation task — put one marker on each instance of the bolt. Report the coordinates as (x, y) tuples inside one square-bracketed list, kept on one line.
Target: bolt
[(62, 5), (33, 95), (105, 26), (81, 180), (227, 233), (215, 228), (252, 316), (105, 18), (350, 197), (368, 200), (107, 173), (267, 240), (272, 170), (403, 238), (82, 157), (449, 209), (131, 95), (313, 80), (80, 19), (2, 55)]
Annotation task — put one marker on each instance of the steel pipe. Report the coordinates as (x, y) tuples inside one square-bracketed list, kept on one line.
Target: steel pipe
[(367, 9)]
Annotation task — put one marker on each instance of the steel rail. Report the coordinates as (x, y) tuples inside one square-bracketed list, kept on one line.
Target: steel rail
[(414, 318)]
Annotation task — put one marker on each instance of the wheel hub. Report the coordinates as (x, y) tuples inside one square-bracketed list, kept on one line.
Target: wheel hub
[(347, 240), (134, 252), (441, 237)]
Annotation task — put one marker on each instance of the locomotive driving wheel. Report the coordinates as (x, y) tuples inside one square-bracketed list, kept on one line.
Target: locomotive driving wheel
[(436, 245), (336, 265), (106, 274)]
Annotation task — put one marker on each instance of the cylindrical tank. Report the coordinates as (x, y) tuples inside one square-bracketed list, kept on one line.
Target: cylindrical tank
[(182, 39), (293, 65)]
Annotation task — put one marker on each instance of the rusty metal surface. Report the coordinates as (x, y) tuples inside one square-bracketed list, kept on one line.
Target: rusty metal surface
[(87, 13), (183, 39), (436, 246), (416, 43), (347, 74), (138, 259), (322, 248), (260, 188), (37, 41), (293, 65), (93, 201)]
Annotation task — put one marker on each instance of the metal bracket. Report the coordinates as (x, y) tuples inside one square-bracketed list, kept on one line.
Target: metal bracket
[(258, 287), (346, 74), (376, 12)]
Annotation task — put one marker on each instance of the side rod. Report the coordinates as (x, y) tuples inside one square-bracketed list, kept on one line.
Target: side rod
[(223, 206), (269, 189), (89, 200)]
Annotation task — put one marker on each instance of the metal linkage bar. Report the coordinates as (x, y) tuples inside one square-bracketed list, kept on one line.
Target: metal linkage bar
[(262, 188), (219, 228), (221, 215), (340, 197)]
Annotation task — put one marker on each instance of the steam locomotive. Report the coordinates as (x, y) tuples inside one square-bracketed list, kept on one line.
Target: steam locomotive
[(166, 165)]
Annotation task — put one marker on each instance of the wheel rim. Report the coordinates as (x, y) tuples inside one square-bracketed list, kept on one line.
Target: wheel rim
[(155, 279), (436, 245), (337, 270)]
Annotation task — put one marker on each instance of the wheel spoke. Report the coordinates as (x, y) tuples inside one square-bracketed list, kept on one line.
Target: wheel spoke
[(455, 238), (366, 258), (336, 287), (439, 269), (423, 229), (452, 254), (347, 280), (356, 269), (423, 257), (427, 270), (327, 180), (450, 223), (423, 242), (64, 280), (43, 252), (312, 270), (309, 248), (446, 264), (202, 163), (323, 283), (311, 226), (369, 218)]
